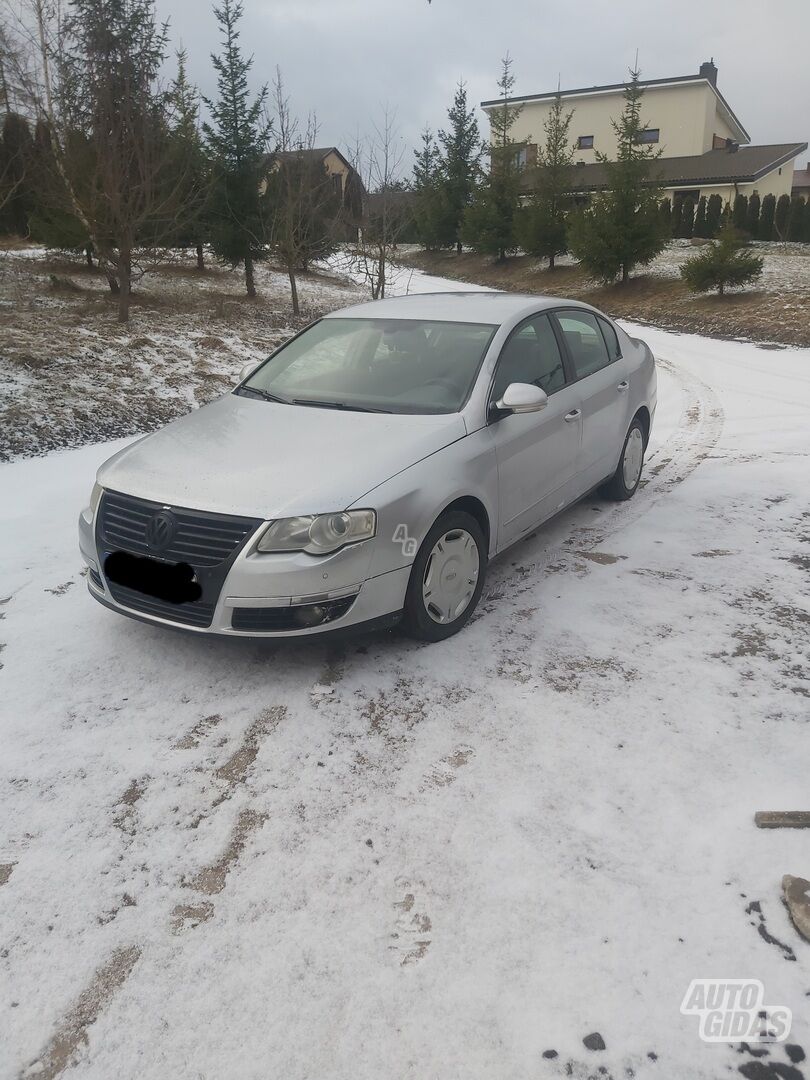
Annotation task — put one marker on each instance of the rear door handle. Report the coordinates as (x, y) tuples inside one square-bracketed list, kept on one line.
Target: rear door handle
[(623, 386), (572, 416)]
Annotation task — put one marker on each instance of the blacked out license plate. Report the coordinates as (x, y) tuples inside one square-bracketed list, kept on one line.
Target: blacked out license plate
[(175, 583)]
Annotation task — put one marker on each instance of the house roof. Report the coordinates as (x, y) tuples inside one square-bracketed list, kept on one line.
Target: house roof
[(743, 166), (801, 178), (316, 153), (615, 88)]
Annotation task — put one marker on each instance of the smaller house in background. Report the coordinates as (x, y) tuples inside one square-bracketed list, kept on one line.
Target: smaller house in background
[(343, 176), (801, 182)]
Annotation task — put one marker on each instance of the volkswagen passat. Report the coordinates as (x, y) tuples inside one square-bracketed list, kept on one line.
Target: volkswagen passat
[(370, 468)]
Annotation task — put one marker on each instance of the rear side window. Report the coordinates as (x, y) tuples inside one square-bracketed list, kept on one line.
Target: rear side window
[(531, 355), (612, 339), (585, 343)]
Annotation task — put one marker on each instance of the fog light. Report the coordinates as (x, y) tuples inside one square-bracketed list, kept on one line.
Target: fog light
[(310, 615)]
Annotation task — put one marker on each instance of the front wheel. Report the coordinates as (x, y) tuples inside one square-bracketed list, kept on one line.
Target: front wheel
[(624, 482), (446, 579)]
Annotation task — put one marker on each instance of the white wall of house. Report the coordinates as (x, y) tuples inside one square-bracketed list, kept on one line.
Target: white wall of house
[(687, 115), (778, 182)]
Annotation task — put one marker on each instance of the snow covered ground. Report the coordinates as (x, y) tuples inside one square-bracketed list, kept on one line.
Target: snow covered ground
[(383, 859)]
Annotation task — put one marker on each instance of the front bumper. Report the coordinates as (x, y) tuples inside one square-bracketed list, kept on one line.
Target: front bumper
[(263, 592)]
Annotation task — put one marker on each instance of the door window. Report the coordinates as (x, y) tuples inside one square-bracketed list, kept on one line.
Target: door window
[(585, 342), (531, 355)]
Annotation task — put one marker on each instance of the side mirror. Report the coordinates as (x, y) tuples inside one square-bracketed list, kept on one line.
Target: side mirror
[(522, 398), (247, 370)]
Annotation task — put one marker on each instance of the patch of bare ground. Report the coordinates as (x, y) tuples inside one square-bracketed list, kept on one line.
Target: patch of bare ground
[(70, 374), (778, 313), (211, 879), (71, 1035)]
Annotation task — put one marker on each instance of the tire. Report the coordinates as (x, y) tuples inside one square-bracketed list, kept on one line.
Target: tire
[(422, 616), (624, 482)]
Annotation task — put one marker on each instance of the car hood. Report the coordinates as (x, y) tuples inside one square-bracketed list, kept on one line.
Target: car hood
[(255, 458)]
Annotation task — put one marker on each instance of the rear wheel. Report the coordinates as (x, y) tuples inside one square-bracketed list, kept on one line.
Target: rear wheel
[(446, 579), (624, 482)]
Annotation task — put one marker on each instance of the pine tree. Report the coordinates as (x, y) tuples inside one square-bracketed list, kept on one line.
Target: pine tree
[(767, 217), (714, 212), (781, 217), (795, 227), (462, 161), (541, 225), (687, 226), (752, 217), (739, 214), (188, 159), (622, 227), (108, 129), (435, 217), (724, 263), (237, 137), (489, 222), (677, 217), (701, 228), (16, 180), (665, 214)]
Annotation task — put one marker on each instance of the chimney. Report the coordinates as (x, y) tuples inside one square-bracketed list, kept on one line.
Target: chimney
[(732, 146), (709, 71)]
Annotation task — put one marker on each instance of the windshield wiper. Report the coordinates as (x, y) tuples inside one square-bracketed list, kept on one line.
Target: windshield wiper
[(265, 394), (336, 405)]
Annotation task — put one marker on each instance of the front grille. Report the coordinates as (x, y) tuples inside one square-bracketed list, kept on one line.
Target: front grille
[(208, 542), (197, 614), (201, 538), (259, 619), (95, 577)]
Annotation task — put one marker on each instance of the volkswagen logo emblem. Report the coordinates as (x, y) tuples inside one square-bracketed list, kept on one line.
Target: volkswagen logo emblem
[(160, 530)]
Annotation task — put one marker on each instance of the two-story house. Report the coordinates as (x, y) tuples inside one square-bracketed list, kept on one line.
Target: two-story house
[(704, 147)]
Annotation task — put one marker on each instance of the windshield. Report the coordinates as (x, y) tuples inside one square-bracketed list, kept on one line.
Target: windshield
[(376, 365)]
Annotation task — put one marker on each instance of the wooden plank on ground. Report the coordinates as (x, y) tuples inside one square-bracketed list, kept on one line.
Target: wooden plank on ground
[(782, 819)]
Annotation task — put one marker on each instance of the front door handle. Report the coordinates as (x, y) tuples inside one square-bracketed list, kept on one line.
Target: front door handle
[(572, 416), (623, 386)]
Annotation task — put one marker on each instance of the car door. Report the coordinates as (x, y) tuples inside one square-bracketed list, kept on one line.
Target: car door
[(537, 453), (601, 373)]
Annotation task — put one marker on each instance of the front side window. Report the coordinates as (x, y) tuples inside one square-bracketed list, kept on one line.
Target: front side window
[(531, 355), (376, 365), (585, 343)]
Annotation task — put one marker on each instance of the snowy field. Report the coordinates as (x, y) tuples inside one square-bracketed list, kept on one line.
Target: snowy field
[(385, 859)]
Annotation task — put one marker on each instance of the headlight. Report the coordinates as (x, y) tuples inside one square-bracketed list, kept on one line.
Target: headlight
[(319, 534)]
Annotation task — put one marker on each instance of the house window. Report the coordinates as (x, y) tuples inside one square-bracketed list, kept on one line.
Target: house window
[(337, 183), (521, 158), (585, 142), (649, 135)]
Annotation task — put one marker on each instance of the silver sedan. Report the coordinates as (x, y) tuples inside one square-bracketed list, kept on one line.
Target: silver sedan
[(370, 468)]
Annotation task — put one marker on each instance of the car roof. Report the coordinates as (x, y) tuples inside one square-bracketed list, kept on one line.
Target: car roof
[(481, 306)]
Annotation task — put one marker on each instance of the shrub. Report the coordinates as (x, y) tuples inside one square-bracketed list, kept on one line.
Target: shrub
[(723, 264), (782, 216), (687, 223), (767, 216), (739, 214), (665, 214), (714, 211), (701, 225), (752, 218)]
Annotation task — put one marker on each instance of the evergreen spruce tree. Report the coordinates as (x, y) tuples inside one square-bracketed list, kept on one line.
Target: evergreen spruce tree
[(435, 217), (724, 263), (687, 226), (665, 214), (714, 211), (739, 213), (489, 222), (461, 163), (622, 227), (752, 216), (767, 216), (189, 161), (701, 226), (237, 137), (781, 217), (796, 219), (16, 180), (541, 226)]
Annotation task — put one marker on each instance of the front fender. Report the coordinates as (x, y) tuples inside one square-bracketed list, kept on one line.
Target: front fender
[(408, 504)]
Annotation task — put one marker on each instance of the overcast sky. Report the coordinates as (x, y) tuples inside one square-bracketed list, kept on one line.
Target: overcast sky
[(345, 58)]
